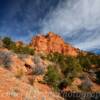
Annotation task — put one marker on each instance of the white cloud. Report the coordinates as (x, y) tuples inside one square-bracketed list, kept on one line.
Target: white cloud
[(74, 15)]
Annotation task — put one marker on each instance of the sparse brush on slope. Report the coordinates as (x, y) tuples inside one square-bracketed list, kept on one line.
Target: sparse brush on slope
[(11, 45)]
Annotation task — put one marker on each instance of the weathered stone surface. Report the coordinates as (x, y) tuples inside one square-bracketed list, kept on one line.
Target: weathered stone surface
[(52, 43)]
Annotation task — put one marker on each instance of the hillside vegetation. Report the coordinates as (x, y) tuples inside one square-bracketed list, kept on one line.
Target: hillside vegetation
[(57, 71)]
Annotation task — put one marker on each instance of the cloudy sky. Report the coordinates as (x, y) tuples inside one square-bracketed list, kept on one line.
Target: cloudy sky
[(77, 21)]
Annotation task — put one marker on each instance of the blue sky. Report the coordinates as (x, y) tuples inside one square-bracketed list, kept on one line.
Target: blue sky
[(19, 18), (77, 21)]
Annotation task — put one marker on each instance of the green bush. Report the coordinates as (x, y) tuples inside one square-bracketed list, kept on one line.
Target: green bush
[(23, 50), (8, 43), (69, 66), (52, 77), (85, 62), (73, 68), (56, 57)]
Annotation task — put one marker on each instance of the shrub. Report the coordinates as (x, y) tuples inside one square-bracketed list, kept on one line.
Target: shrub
[(85, 62), (8, 43), (38, 70), (98, 77), (36, 59), (73, 68), (63, 84), (5, 59), (86, 86), (69, 66), (52, 77), (23, 50), (56, 57), (27, 50)]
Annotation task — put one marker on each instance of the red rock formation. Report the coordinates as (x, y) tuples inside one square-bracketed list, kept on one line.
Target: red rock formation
[(19, 43), (52, 43)]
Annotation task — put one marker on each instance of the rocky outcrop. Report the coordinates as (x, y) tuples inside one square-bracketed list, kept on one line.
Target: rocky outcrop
[(51, 43), (19, 43)]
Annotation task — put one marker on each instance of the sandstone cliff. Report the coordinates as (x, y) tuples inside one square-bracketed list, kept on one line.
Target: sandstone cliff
[(51, 43)]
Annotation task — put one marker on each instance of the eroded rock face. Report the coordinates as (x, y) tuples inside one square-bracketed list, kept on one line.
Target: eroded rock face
[(52, 43)]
